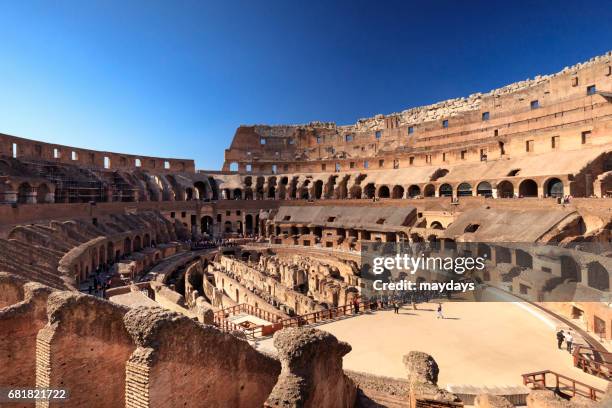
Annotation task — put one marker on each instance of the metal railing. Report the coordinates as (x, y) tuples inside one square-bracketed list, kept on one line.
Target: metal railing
[(561, 384), (248, 309), (295, 321)]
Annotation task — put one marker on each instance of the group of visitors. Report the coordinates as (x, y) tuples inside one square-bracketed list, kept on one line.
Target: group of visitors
[(567, 338)]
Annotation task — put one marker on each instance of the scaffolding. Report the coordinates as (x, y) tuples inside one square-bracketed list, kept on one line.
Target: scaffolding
[(72, 184)]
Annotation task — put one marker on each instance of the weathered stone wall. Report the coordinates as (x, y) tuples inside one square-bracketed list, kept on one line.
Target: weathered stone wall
[(180, 363)]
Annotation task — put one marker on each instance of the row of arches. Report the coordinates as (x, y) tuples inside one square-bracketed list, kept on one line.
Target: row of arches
[(337, 188)]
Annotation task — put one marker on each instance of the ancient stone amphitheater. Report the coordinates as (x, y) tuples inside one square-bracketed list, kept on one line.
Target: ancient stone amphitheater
[(142, 282)]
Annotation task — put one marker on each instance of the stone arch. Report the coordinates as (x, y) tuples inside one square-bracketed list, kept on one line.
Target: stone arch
[(415, 191), (505, 189), (383, 192), (304, 190), (42, 194), (189, 194), (598, 276), (237, 194), (127, 246), (464, 190), (553, 187), (429, 191), (446, 190), (206, 225), (137, 244), (318, 189), (248, 223), (24, 193), (370, 190), (398, 192), (436, 225), (202, 190), (528, 188), (484, 189)]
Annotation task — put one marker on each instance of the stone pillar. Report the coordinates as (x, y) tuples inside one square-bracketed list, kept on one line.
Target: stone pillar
[(422, 372), (312, 374)]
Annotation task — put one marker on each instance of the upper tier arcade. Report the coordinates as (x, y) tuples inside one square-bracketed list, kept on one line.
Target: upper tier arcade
[(562, 111)]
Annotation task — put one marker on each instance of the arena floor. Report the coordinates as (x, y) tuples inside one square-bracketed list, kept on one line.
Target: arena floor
[(488, 344)]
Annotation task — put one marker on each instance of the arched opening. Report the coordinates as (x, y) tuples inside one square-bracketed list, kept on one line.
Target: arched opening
[(228, 226), (110, 252), (415, 191), (24, 192), (570, 269), (398, 192), (598, 276), (436, 225), (383, 192), (146, 241), (429, 191), (446, 190), (355, 192), (42, 195), (318, 189), (248, 193), (471, 228), (248, 223), (206, 225), (237, 194), (484, 189), (464, 190), (127, 246), (505, 189), (189, 193), (528, 188), (227, 194), (137, 243), (202, 190), (271, 192), (233, 166), (370, 190), (554, 188), (524, 259)]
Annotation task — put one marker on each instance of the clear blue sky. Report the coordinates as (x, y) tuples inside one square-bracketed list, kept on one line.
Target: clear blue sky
[(175, 78)]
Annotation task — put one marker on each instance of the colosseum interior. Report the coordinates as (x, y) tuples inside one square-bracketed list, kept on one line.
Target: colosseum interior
[(142, 282)]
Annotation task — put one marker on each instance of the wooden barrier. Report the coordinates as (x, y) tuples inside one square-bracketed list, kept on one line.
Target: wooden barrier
[(562, 383)]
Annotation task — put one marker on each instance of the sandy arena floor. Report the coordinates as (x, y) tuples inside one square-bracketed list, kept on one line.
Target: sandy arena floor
[(488, 344)]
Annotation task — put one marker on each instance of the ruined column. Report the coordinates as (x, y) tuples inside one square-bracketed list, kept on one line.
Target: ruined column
[(423, 372), (312, 374)]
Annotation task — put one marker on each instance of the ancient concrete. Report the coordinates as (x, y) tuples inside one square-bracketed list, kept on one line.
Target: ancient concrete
[(311, 373)]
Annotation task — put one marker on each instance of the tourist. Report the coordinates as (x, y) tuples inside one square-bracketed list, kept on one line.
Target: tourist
[(560, 338), (440, 315), (396, 307), (569, 340), (356, 306)]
